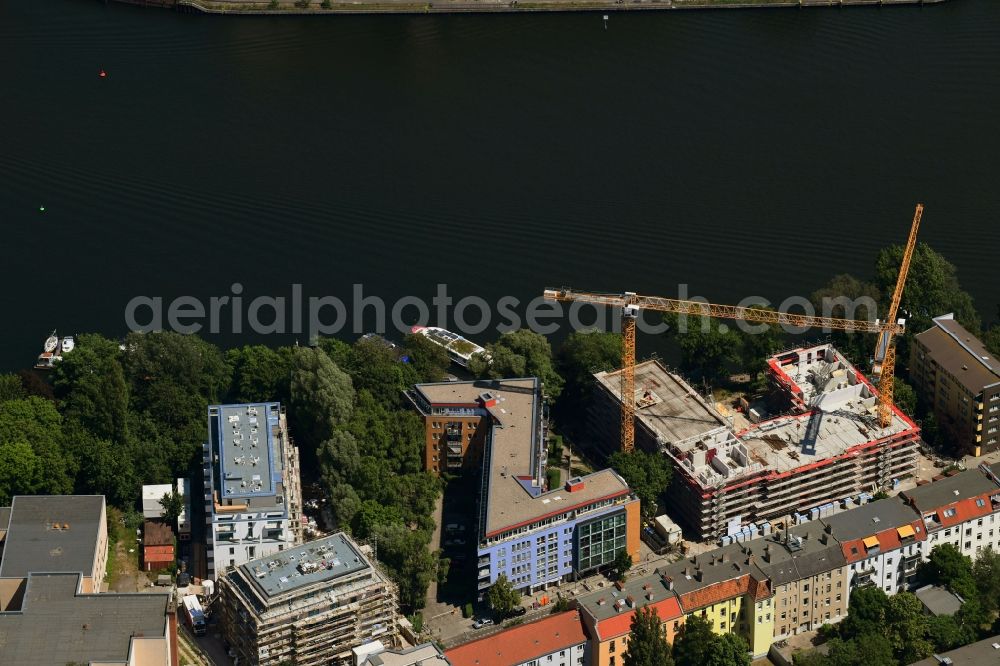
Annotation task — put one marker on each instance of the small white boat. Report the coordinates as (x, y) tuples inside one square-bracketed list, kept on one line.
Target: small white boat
[(51, 343), (68, 344), (460, 350)]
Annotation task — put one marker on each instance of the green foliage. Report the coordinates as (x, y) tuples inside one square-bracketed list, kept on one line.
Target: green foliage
[(467, 611), (428, 359), (729, 650), (621, 564), (904, 396), (502, 596), (11, 388), (986, 573), (260, 374), (648, 474), (552, 478), (33, 459), (932, 287), (693, 643), (520, 353), (831, 299), (561, 605), (580, 355), (173, 505), (647, 642), (404, 552), (417, 620), (322, 396), (707, 345), (326, 4), (945, 633), (443, 568), (948, 567)]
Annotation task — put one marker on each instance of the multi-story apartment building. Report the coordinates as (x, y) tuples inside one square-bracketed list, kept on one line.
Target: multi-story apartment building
[(533, 534), (308, 605), (809, 577), (607, 615), (455, 425), (959, 379), (54, 533), (883, 542), (960, 510), (729, 589), (52, 610), (825, 447), (253, 494), (556, 640)]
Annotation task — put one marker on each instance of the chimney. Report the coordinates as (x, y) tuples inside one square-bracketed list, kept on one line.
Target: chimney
[(620, 585), (824, 538), (698, 575), (828, 529)]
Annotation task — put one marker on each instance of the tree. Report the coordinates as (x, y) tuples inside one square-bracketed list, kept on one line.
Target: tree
[(322, 396), (91, 387), (20, 471), (647, 642), (35, 422), (946, 633), (693, 643), (904, 396), (502, 596), (412, 565), (260, 374), (948, 567), (986, 573), (906, 626), (729, 650), (173, 506), (707, 345), (444, 566), (866, 612), (622, 563), (648, 474), (582, 354), (520, 353), (932, 287), (428, 359), (865, 650), (847, 297), (11, 388), (377, 368), (758, 344)]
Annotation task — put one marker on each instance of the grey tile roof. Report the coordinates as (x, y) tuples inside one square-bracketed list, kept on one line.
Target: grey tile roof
[(52, 533), (56, 626), (870, 519), (984, 653), (964, 485)]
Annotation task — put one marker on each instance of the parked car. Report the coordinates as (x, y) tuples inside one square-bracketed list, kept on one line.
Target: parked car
[(479, 624), (519, 611)]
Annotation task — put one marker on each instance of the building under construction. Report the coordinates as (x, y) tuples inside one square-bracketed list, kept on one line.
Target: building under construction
[(308, 605), (825, 449)]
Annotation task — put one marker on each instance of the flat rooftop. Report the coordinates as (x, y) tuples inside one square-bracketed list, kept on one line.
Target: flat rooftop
[(52, 533), (516, 455), (665, 402), (56, 626), (426, 654), (318, 561), (604, 604), (244, 435)]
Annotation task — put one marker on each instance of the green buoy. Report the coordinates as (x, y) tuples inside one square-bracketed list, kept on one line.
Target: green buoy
[(41, 209)]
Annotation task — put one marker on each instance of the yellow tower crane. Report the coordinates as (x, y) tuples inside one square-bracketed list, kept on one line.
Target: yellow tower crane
[(631, 303)]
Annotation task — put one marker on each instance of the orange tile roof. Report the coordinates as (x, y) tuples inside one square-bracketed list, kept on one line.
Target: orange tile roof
[(965, 510), (713, 594), (521, 643), (619, 625), (855, 550)]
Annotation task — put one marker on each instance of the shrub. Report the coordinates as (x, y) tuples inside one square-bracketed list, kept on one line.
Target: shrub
[(467, 610)]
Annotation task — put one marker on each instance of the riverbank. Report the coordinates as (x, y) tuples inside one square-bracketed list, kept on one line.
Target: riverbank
[(277, 7)]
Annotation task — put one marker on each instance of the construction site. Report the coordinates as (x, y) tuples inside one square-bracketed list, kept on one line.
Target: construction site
[(836, 439), (309, 605), (826, 450)]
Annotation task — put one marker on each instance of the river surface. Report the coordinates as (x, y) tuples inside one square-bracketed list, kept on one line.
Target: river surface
[(739, 152)]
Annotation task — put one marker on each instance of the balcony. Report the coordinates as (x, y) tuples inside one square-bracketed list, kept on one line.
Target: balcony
[(484, 573), (483, 585)]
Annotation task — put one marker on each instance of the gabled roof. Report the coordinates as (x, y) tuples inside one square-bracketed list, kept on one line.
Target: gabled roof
[(521, 643), (757, 588)]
